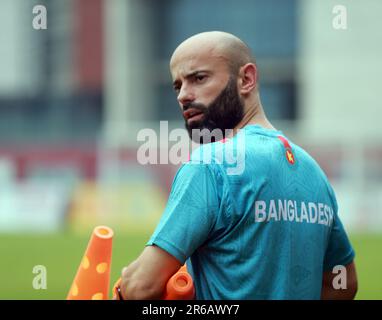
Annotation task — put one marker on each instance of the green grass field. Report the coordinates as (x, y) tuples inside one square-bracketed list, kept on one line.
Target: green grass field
[(61, 255)]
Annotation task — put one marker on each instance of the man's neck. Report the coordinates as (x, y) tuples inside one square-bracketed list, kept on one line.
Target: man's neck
[(254, 114)]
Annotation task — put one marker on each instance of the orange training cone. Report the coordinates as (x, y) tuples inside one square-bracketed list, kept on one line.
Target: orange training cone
[(180, 286), (93, 276)]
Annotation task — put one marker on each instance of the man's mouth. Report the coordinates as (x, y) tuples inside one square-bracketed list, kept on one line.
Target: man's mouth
[(193, 115)]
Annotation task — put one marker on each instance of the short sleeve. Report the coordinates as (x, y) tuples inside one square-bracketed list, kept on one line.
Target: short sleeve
[(339, 250), (190, 213)]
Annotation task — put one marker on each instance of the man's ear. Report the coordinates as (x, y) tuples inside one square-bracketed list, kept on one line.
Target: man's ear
[(247, 78)]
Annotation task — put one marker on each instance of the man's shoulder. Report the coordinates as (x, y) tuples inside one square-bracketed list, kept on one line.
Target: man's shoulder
[(312, 165), (210, 155), (309, 160), (196, 167)]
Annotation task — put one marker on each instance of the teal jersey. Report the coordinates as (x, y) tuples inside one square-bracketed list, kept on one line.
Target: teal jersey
[(267, 230)]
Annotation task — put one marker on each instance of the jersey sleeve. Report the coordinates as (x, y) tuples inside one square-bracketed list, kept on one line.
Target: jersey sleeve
[(190, 213), (339, 250)]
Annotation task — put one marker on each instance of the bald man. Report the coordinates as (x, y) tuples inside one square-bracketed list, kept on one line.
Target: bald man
[(270, 232)]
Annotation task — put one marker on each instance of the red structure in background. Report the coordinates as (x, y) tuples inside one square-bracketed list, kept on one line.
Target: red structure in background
[(88, 44), (83, 158), (25, 158)]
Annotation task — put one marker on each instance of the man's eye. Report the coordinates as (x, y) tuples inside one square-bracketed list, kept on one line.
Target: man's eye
[(200, 78)]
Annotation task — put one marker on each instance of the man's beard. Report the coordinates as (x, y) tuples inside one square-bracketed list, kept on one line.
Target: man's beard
[(224, 113)]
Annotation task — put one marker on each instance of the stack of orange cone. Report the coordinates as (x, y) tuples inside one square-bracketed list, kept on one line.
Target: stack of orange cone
[(93, 276)]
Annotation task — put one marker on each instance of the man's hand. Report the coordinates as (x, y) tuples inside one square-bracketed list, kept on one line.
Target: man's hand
[(147, 276)]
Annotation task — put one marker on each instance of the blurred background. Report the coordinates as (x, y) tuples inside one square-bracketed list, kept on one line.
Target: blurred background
[(74, 96)]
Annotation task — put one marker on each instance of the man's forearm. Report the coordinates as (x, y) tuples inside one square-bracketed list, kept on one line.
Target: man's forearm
[(329, 293), (348, 292)]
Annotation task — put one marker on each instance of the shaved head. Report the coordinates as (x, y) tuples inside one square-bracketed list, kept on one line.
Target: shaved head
[(221, 45)]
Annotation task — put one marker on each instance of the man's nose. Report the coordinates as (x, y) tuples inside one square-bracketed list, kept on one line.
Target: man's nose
[(185, 96)]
